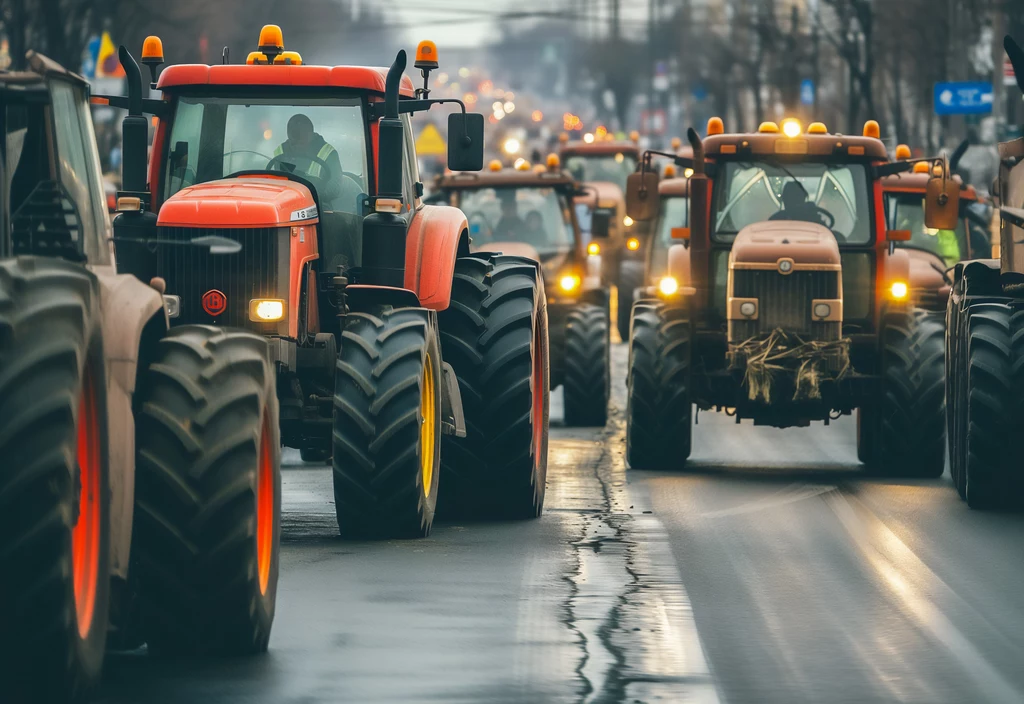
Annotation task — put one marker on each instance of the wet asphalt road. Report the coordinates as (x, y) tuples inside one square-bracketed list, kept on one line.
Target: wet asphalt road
[(770, 570)]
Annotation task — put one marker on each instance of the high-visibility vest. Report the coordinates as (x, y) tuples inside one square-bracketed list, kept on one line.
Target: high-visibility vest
[(314, 167)]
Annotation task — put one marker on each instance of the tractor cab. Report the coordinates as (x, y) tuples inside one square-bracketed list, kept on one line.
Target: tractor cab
[(52, 188)]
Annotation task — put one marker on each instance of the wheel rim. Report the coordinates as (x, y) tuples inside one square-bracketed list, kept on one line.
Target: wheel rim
[(265, 506), (85, 536), (428, 422), (538, 397)]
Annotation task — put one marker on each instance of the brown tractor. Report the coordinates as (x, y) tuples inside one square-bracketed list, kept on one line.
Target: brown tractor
[(417, 367), (529, 212), (933, 253), (791, 303), (140, 486), (985, 348), (603, 166)]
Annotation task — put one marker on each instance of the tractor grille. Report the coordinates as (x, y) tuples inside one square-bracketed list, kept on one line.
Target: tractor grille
[(255, 272), (785, 302)]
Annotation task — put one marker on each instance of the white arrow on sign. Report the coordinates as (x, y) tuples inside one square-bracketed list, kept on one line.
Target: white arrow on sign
[(946, 97)]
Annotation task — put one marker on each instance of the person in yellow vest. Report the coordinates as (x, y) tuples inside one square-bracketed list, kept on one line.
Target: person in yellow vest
[(313, 152)]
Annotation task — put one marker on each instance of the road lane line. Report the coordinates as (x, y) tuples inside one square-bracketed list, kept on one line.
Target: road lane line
[(791, 493), (909, 579)]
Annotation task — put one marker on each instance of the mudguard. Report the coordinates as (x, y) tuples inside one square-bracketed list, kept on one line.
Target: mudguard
[(129, 306), (435, 236)]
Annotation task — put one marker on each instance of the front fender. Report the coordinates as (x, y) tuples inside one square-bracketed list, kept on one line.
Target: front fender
[(129, 308), (431, 247)]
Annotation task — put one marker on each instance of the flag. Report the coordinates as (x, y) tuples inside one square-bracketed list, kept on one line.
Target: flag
[(107, 64)]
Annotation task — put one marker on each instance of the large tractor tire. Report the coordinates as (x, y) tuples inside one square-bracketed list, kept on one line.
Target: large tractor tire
[(387, 424), (207, 529), (587, 366), (631, 277), (54, 484), (658, 402), (495, 336), (904, 435), (990, 467)]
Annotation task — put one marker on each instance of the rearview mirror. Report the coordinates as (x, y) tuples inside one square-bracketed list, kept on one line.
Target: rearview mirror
[(642, 201), (600, 223), (941, 203), (465, 141)]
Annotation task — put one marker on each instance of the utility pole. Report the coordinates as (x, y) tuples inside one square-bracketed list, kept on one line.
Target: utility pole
[(652, 58)]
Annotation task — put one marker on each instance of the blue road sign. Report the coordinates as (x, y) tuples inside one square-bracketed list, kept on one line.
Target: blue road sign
[(807, 92), (964, 98)]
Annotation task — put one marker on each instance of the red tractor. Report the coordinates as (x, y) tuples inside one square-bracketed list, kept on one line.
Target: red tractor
[(410, 360)]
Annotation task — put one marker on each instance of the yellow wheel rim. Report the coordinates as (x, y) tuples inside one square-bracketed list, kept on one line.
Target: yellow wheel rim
[(428, 425)]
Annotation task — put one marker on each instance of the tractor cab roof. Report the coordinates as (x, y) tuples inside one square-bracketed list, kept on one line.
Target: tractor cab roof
[(506, 178), (843, 148), (599, 147), (367, 78), (39, 69), (916, 182), (674, 187)]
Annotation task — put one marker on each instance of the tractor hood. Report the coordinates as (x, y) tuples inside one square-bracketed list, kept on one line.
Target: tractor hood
[(807, 245), (240, 202)]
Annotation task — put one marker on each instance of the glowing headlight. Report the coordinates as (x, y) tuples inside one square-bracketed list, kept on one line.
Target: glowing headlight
[(668, 285), (569, 282), (593, 248), (266, 310), (791, 128), (822, 310), (899, 290), (688, 173), (511, 145), (627, 221), (632, 244), (748, 309)]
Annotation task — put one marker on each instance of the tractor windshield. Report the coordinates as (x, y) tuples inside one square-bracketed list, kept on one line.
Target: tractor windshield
[(539, 217), (833, 195), (906, 212), (322, 140), (613, 168)]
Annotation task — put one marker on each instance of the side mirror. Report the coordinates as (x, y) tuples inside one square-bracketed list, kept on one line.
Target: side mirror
[(642, 201), (897, 235), (465, 141), (600, 224), (941, 203)]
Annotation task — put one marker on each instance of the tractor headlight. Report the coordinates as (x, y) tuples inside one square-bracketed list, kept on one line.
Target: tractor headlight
[(668, 285), (627, 221), (748, 309), (266, 310), (822, 310), (632, 244), (593, 248), (569, 283), (899, 290)]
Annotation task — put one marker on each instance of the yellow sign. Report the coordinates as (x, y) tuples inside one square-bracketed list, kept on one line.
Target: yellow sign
[(430, 142)]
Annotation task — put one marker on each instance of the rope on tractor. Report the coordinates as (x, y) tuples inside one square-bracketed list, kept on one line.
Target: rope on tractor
[(787, 353)]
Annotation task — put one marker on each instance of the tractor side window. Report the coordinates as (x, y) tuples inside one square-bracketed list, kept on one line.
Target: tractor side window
[(183, 151), (408, 164), (78, 163)]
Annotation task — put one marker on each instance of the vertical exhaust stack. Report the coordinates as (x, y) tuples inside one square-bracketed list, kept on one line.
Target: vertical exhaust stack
[(384, 230), (134, 132), (700, 234)]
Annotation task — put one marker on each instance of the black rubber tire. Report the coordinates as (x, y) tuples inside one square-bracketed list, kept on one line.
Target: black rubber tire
[(315, 455), (989, 460), (631, 277), (952, 361), (587, 362), (658, 404), (50, 343), (910, 416), (379, 383), (495, 336), (206, 429)]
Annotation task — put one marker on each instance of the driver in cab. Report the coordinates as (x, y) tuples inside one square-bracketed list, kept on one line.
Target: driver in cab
[(313, 153), (795, 206)]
